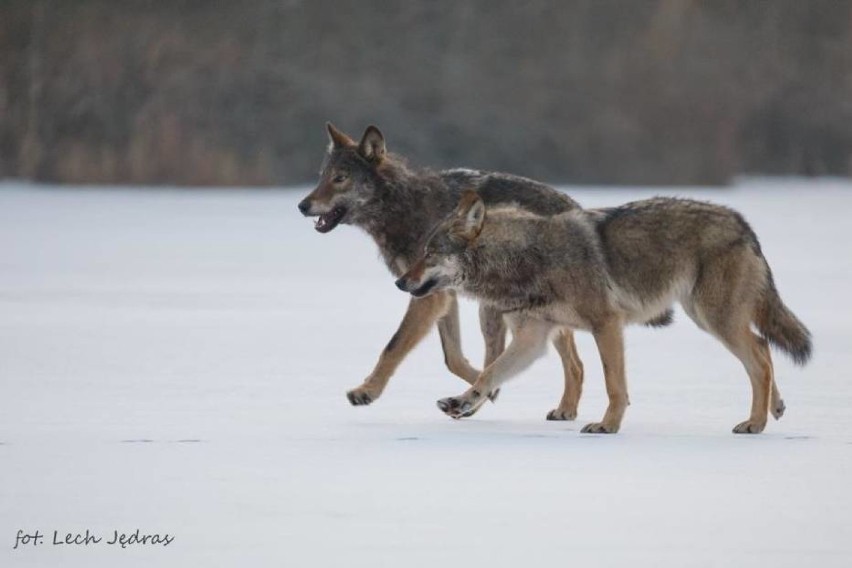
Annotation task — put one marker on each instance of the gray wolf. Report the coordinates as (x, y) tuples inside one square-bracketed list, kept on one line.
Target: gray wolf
[(364, 185), (599, 270)]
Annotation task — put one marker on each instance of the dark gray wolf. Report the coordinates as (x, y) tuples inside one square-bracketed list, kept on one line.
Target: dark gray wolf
[(599, 270), (362, 184)]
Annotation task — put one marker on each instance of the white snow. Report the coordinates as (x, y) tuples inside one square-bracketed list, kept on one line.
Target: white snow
[(176, 361)]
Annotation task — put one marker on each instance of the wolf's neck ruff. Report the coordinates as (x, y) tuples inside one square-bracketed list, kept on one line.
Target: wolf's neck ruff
[(407, 204)]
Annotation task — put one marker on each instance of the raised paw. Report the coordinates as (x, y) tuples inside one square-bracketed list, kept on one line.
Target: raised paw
[(461, 406), (360, 397), (456, 407), (749, 427), (493, 395), (561, 414), (599, 428), (778, 409)]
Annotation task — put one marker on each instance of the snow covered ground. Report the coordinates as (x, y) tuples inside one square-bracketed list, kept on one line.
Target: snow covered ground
[(176, 361)]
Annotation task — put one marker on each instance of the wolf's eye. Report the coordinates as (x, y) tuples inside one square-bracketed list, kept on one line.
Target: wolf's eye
[(339, 178)]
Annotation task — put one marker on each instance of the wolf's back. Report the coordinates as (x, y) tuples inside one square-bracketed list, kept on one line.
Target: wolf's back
[(498, 189)]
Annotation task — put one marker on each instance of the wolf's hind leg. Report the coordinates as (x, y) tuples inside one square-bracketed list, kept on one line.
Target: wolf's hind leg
[(776, 403), (722, 302), (750, 349), (421, 315), (529, 341), (777, 406), (573, 369), (753, 353)]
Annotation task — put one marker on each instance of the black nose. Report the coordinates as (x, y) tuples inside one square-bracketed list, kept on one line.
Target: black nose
[(304, 206), (401, 284)]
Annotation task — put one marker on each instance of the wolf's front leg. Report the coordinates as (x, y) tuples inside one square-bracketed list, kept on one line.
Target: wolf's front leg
[(493, 328), (610, 340), (448, 329), (529, 340), (421, 315)]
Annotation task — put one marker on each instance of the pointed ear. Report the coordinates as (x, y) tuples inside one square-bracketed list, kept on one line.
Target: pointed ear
[(336, 138), (470, 215), (372, 146)]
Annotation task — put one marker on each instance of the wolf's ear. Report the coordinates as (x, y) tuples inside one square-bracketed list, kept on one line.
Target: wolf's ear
[(372, 146), (470, 215), (336, 138)]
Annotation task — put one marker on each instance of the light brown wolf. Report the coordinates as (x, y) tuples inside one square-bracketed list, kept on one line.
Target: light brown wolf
[(598, 270)]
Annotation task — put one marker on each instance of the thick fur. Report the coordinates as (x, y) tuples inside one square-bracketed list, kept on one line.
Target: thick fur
[(361, 184), (781, 327), (599, 270), (651, 242)]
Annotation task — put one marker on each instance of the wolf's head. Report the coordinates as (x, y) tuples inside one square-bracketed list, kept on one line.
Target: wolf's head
[(347, 178), (441, 264)]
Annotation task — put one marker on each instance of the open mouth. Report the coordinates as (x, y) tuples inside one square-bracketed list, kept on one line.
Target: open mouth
[(425, 288), (328, 221)]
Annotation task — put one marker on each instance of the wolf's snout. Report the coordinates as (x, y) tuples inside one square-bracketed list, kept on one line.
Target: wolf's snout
[(304, 206), (402, 284)]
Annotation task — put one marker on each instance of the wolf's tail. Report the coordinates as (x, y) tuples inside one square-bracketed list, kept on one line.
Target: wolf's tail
[(781, 327)]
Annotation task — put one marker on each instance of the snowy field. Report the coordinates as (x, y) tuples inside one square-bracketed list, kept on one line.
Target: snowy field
[(176, 361)]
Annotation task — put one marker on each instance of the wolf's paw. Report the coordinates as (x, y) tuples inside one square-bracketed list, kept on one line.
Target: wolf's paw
[(360, 396), (749, 427), (778, 410), (493, 395), (599, 428), (456, 407), (461, 406), (562, 414)]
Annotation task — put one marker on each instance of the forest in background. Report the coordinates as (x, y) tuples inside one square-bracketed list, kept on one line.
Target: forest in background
[(216, 92)]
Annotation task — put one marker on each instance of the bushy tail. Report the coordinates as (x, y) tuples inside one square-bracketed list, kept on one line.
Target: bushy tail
[(780, 327)]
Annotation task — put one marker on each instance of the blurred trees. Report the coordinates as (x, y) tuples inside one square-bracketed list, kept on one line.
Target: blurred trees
[(601, 91)]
